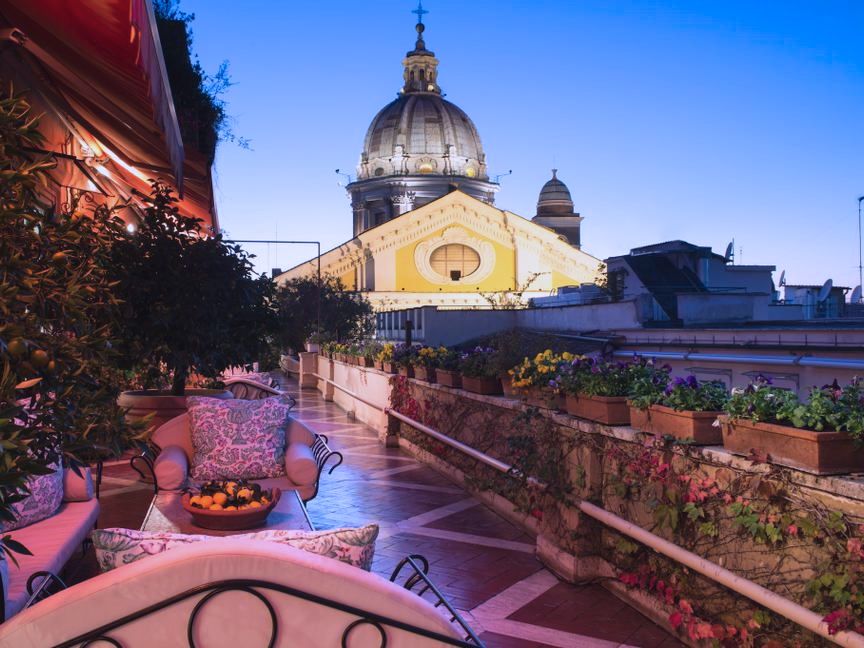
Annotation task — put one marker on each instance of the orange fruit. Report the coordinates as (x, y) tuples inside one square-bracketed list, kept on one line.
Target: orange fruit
[(195, 500), (216, 507), (220, 498), (254, 504), (206, 501), (17, 347), (39, 359), (230, 508), (244, 494)]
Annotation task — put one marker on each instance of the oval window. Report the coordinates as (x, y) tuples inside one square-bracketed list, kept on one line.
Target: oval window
[(454, 261)]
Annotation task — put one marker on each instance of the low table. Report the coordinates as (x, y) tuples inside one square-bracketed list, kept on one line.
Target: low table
[(167, 515)]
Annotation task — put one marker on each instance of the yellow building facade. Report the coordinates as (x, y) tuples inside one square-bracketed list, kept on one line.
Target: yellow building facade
[(455, 251)]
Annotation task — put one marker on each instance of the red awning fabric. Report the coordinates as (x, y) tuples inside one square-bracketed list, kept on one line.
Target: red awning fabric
[(104, 60)]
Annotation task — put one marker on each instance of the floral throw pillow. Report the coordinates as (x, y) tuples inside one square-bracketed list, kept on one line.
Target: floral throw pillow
[(46, 496), (237, 439), (118, 547)]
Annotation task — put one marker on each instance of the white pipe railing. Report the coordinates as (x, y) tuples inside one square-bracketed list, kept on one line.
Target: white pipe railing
[(784, 607)]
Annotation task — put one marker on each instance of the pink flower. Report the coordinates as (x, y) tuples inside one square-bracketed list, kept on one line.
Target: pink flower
[(792, 530), (853, 546), (675, 620), (685, 606), (727, 498)]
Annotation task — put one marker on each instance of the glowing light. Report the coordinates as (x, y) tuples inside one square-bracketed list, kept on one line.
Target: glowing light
[(130, 227), (119, 162)]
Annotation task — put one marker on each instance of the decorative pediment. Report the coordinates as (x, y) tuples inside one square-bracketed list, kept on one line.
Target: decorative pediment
[(455, 236)]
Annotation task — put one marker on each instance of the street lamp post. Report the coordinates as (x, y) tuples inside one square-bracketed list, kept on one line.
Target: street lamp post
[(860, 273), (317, 244)]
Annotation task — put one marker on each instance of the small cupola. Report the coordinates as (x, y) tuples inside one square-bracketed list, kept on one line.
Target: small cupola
[(555, 210)]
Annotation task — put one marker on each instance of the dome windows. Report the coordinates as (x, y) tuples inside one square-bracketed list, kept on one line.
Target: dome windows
[(454, 261)]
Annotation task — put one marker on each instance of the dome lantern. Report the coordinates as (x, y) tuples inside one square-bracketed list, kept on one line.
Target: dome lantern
[(555, 210)]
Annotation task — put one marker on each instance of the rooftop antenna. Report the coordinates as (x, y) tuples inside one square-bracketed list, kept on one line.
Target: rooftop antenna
[(856, 295), (347, 176), (825, 290), (497, 178), (783, 278), (729, 256)]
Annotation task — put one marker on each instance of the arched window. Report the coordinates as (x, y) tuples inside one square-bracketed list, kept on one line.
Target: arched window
[(454, 261)]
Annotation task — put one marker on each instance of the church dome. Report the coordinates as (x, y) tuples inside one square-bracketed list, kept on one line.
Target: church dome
[(554, 198), (421, 133)]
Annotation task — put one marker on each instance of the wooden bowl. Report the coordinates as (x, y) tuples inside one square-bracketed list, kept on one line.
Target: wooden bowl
[(231, 520)]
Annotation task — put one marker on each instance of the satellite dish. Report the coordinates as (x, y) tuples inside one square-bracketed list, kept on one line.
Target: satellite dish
[(783, 278), (825, 290), (856, 295), (730, 252)]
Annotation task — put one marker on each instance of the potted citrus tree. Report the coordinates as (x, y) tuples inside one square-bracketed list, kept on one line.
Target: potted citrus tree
[(190, 305), (686, 409), (822, 435)]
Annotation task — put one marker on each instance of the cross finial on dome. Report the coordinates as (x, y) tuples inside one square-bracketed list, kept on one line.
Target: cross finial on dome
[(554, 174), (420, 11)]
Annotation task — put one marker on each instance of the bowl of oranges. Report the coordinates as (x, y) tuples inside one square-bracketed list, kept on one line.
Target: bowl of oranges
[(230, 504)]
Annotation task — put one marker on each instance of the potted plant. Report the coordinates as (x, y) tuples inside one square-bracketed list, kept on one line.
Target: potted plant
[(447, 371), (403, 357), (425, 363), (190, 305), (479, 373), (384, 358), (368, 352), (821, 436), (597, 390), (58, 393), (536, 379), (686, 409)]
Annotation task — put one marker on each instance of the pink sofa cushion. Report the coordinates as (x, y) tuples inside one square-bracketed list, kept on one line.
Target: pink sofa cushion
[(53, 541), (171, 468), (46, 495), (237, 439), (77, 488), (300, 464), (116, 547)]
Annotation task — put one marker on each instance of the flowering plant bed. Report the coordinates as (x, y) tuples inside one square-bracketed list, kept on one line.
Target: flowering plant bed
[(543, 397), (609, 410), (821, 453), (685, 409), (448, 378), (486, 385)]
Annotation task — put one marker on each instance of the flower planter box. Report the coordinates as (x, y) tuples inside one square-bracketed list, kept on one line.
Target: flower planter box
[(389, 367), (425, 373), (697, 427), (448, 378), (486, 386), (609, 410), (365, 362), (342, 357), (379, 365), (408, 372), (544, 398), (821, 453)]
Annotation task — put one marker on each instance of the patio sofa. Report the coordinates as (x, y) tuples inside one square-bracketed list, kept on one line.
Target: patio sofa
[(306, 456), (52, 541), (228, 593)]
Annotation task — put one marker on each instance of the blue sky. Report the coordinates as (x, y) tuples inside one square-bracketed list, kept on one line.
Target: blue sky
[(703, 121)]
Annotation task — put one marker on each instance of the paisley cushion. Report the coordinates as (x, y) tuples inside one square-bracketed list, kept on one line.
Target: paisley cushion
[(237, 439), (117, 547), (46, 496)]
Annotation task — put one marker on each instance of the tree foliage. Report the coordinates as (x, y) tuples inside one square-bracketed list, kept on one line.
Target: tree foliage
[(190, 302), (57, 395), (345, 316)]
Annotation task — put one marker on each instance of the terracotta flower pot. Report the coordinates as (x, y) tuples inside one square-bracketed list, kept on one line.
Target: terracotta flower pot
[(390, 367), (448, 378), (408, 371), (379, 365), (162, 404), (822, 453), (545, 398), (697, 427), (609, 410), (365, 362), (425, 373), (481, 385)]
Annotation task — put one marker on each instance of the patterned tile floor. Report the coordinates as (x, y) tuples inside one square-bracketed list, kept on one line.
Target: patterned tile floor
[(484, 564)]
